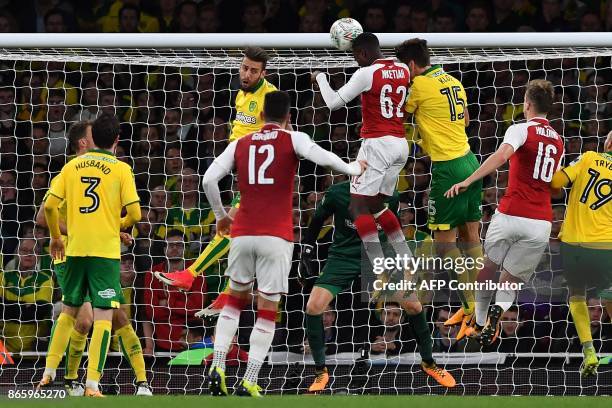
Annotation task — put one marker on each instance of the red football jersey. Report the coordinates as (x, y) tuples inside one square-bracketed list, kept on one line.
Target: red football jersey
[(266, 164), (382, 103), (538, 150)]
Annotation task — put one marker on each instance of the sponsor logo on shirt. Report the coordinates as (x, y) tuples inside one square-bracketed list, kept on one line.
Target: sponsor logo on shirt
[(252, 106), (249, 120)]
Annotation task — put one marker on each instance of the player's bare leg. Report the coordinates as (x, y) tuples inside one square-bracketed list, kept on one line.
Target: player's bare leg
[(60, 336), (319, 300)]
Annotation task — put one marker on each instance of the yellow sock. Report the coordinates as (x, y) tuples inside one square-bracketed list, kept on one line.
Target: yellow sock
[(215, 250), (132, 350), (582, 321), (74, 354), (98, 348), (477, 256), (466, 296), (60, 336)]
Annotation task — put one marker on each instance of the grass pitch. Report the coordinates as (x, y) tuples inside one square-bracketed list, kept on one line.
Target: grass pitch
[(318, 401)]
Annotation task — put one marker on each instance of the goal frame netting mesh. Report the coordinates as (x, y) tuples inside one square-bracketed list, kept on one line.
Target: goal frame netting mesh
[(494, 69)]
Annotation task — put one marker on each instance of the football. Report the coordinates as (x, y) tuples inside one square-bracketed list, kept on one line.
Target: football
[(343, 32)]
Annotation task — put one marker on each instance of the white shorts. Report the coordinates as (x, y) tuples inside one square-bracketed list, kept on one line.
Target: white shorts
[(517, 243), (386, 157), (265, 258)]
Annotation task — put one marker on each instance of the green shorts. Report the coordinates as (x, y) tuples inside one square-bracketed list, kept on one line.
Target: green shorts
[(98, 277), (447, 213), (339, 274), (587, 267), (60, 272)]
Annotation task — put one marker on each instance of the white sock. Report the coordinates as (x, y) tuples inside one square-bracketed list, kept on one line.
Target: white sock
[(50, 372), (227, 325), (92, 385), (505, 298), (483, 300), (260, 341)]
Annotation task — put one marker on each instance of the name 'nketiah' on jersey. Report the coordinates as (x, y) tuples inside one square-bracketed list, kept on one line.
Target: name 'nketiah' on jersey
[(96, 186), (589, 211), (249, 105)]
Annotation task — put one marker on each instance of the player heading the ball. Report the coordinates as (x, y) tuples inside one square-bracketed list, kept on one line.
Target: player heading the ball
[(265, 163)]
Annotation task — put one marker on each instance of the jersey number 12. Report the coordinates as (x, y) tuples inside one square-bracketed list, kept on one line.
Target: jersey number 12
[(258, 176)]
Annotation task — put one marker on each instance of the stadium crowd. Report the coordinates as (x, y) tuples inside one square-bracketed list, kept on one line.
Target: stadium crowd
[(175, 121), (307, 16)]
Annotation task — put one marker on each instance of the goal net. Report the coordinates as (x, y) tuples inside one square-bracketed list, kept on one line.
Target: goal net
[(175, 106)]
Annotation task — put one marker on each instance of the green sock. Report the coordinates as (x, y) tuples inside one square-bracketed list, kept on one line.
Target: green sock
[(423, 335), (314, 332)]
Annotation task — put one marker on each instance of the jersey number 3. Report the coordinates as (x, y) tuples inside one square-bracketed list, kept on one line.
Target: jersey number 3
[(90, 192), (258, 176)]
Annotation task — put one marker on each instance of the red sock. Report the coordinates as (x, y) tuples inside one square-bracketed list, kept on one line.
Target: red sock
[(366, 228), (390, 224)]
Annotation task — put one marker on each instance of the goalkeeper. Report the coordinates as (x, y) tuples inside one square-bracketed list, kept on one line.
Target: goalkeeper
[(438, 102), (249, 107), (343, 266), (586, 238)]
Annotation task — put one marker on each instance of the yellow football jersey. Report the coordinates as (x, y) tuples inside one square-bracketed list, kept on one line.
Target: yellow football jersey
[(249, 106), (439, 104), (96, 187), (62, 216), (589, 211)]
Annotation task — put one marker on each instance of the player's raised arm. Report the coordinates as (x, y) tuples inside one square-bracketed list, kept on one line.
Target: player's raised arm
[(366, 49), (308, 150)]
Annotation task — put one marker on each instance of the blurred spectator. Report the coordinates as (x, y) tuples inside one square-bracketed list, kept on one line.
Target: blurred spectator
[(55, 73), (129, 19), (186, 20), (389, 335), (401, 18), (444, 21), (166, 15), (208, 18), (172, 125), (311, 23), (516, 335), (590, 22), (213, 140), (419, 19), (89, 101), (503, 17), (8, 23), (9, 211), (284, 19), (56, 21), (477, 17), (549, 17), (173, 167), (56, 116), (374, 19), (160, 201), (170, 310), (330, 333), (253, 16), (26, 295), (444, 337), (30, 101), (147, 152), (8, 109), (109, 23), (148, 245)]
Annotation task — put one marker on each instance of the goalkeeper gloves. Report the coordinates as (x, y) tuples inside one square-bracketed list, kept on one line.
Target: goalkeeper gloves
[(305, 269)]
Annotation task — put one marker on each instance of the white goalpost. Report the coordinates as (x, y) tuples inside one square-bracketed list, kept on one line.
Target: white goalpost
[(173, 94)]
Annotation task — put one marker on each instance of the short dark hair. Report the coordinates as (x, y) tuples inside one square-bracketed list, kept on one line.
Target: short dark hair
[(366, 41), (415, 50), (257, 54), (541, 94), (128, 7), (276, 106), (105, 130), (175, 233), (77, 132)]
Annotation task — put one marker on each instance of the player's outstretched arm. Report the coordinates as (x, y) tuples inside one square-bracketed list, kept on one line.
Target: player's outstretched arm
[(219, 168), (308, 150), (336, 99), (495, 161)]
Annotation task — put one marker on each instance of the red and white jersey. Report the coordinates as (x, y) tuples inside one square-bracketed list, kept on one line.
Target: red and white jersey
[(538, 151), (266, 164), (383, 87)]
